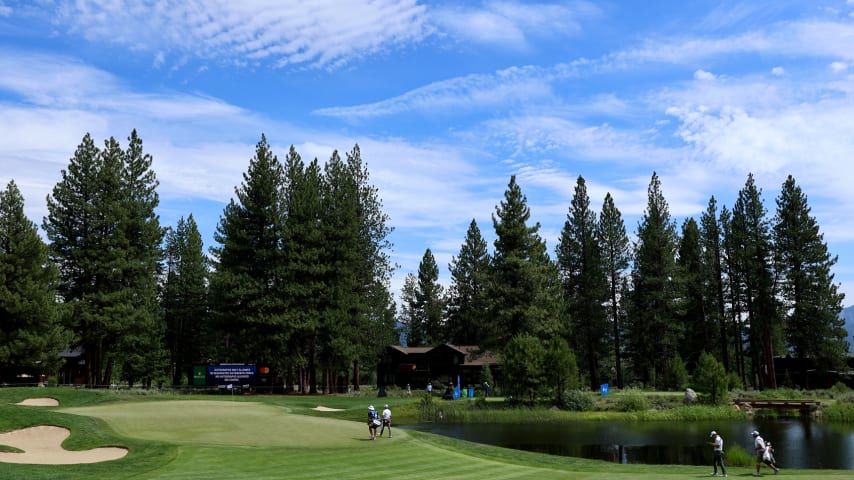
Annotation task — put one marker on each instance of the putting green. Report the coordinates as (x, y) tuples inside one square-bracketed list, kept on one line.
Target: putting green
[(226, 423)]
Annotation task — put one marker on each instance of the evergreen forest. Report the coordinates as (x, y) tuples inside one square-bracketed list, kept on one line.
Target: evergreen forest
[(299, 280)]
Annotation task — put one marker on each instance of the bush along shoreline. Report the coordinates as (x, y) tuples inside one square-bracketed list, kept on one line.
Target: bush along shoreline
[(836, 405)]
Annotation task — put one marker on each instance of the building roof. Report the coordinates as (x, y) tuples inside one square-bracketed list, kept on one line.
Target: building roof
[(408, 350), (472, 353)]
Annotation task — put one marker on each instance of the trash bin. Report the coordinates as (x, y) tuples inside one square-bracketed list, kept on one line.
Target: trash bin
[(463, 393), (471, 392)]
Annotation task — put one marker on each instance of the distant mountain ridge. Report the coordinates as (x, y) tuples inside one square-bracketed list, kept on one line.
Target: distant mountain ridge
[(848, 315)]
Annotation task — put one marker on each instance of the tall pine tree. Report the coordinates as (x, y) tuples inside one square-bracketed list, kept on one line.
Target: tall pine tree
[(248, 285), (106, 238), (734, 290), (431, 298), (584, 283), (703, 334), (525, 288), (30, 333), (410, 315), (467, 300), (308, 293), (185, 300), (141, 340), (751, 233), (373, 317), (712, 248), (423, 306), (614, 245), (813, 303), (654, 333)]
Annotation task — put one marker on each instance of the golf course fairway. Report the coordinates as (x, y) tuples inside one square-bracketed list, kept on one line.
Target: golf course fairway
[(213, 439)]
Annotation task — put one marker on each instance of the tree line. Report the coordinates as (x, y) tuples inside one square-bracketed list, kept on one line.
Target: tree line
[(734, 288), (299, 280)]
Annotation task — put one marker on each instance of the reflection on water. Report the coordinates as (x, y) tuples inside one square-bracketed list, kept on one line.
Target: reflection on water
[(798, 443)]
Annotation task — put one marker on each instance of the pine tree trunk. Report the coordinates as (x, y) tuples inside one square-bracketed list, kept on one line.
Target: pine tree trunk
[(616, 319), (312, 368), (771, 374), (356, 379)]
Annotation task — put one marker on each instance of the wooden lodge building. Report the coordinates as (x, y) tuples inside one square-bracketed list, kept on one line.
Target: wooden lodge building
[(416, 366)]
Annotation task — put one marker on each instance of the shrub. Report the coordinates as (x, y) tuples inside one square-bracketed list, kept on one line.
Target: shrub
[(524, 368), (576, 401), (733, 381), (710, 379), (839, 412), (735, 456), (562, 372), (839, 387), (633, 401), (678, 374), (427, 411)]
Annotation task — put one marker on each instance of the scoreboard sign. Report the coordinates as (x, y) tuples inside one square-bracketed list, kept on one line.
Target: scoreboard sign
[(231, 374)]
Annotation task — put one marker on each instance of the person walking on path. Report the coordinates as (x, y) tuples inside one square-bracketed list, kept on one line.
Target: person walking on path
[(373, 422), (760, 449), (717, 444), (386, 420), (769, 459)]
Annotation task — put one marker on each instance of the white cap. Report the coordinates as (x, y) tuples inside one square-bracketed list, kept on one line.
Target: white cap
[(754, 433), (713, 433), (385, 406), (371, 407)]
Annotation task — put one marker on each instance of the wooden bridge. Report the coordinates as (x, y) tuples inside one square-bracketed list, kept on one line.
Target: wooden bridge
[(803, 405)]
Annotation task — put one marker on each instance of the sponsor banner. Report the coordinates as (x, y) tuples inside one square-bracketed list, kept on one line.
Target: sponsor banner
[(231, 374)]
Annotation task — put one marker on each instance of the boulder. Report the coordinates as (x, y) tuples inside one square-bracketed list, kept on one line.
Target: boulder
[(690, 396)]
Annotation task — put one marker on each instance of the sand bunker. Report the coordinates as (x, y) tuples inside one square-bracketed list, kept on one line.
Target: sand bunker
[(327, 409), (40, 402), (43, 445)]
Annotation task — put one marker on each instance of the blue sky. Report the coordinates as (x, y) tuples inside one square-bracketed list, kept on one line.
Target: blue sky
[(446, 100)]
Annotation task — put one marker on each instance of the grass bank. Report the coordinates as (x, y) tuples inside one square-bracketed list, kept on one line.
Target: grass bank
[(283, 437)]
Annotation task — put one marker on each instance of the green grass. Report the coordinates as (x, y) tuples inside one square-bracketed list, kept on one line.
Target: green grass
[(282, 437)]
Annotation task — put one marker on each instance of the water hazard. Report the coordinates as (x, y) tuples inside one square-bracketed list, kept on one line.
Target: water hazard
[(798, 443)]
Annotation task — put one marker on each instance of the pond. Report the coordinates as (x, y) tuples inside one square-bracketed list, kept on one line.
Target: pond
[(798, 443)]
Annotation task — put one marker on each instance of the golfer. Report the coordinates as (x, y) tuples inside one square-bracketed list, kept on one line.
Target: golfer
[(717, 444), (769, 457), (386, 420), (373, 422), (760, 448)]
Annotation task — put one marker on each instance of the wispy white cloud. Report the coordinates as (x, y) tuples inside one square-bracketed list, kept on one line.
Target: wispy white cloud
[(837, 67), (819, 39), (704, 75), (551, 135), (5, 10), (63, 83), (320, 33), (774, 131), (508, 87), (513, 24), (52, 101), (701, 131), (729, 14), (202, 145)]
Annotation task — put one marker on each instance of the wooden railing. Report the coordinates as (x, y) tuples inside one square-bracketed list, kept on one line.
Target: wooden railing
[(779, 404)]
